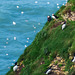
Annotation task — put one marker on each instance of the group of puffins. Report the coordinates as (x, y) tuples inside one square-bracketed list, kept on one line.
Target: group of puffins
[(55, 18)]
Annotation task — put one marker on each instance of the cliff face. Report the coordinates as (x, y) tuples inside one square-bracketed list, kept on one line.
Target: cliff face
[(52, 46)]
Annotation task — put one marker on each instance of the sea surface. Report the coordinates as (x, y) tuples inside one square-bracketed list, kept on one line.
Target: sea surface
[(20, 21)]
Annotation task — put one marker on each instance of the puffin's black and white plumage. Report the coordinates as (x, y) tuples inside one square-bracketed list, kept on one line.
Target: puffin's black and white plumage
[(48, 18), (48, 70), (54, 16), (15, 67), (64, 25), (73, 58)]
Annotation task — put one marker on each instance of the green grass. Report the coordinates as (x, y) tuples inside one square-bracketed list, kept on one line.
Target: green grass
[(60, 65), (47, 44), (72, 2), (73, 8)]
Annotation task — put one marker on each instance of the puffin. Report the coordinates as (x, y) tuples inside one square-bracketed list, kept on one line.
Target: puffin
[(54, 16), (64, 25), (49, 70), (73, 58), (48, 18), (15, 67)]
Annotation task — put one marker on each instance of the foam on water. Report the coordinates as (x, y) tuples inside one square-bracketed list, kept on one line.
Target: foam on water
[(20, 21)]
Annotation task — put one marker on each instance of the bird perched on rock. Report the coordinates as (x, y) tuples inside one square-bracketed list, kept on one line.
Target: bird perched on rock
[(64, 25), (73, 58), (54, 16)]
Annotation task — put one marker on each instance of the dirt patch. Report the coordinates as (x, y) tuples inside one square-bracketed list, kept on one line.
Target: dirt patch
[(56, 25)]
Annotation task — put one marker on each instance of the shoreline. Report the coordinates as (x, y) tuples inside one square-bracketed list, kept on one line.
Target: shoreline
[(32, 54)]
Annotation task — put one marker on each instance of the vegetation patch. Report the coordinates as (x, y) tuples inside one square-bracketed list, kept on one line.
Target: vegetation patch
[(48, 43)]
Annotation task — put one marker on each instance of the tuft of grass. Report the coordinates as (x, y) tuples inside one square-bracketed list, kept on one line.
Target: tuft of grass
[(60, 65)]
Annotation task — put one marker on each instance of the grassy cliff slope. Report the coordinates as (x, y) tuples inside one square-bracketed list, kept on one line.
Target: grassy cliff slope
[(51, 42)]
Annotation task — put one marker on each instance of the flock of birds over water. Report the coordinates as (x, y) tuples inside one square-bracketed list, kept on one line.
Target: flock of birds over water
[(14, 23)]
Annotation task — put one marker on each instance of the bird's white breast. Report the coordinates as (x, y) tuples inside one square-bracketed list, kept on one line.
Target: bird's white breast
[(48, 71), (63, 26), (53, 17), (15, 68), (73, 59)]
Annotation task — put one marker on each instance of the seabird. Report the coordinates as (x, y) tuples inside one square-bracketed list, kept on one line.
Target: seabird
[(38, 23), (6, 54), (64, 25), (48, 2), (48, 18), (27, 41), (14, 38), (73, 58), (57, 4), (25, 45), (14, 23), (22, 12), (48, 70), (34, 27), (13, 60), (15, 67), (36, 1), (28, 38), (4, 46), (54, 16), (17, 6), (7, 39), (63, 4)]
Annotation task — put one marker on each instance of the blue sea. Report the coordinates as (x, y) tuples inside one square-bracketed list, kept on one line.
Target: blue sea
[(20, 21)]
